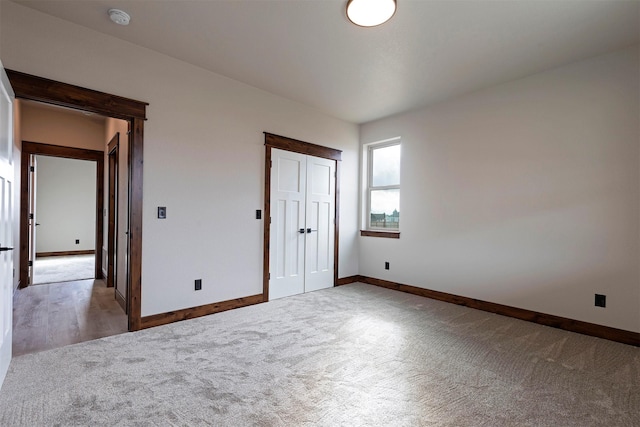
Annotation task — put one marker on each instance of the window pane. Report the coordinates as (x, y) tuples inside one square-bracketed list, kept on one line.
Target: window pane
[(386, 166), (385, 209)]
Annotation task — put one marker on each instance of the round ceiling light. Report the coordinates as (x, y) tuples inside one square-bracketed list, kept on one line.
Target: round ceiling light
[(119, 17), (369, 13)]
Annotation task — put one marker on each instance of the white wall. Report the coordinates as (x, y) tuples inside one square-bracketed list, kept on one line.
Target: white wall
[(524, 194), (56, 126), (65, 204), (203, 155)]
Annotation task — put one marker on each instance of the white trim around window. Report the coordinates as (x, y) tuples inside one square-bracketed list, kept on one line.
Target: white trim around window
[(381, 189)]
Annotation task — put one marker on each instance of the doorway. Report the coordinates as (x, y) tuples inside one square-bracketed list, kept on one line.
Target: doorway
[(302, 204), (52, 92), (62, 219), (28, 188)]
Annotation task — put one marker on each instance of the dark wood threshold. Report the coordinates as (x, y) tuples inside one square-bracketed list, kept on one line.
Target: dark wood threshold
[(65, 253), (386, 234), (193, 312), (120, 300), (347, 280), (578, 326)]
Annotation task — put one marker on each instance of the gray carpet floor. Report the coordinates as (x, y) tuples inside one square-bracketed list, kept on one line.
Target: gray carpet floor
[(356, 355), (57, 269)]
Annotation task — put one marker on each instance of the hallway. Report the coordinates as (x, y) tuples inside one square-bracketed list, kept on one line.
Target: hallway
[(58, 314), (55, 269)]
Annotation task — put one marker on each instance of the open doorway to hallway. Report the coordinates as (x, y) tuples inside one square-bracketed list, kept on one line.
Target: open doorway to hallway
[(58, 314), (67, 299), (63, 230)]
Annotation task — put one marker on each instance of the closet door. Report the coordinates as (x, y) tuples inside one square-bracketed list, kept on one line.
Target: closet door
[(302, 233), (287, 239), (320, 223)]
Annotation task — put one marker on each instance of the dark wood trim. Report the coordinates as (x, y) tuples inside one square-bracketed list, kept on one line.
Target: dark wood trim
[(40, 149), (112, 247), (347, 280), (113, 143), (203, 310), (99, 215), (65, 253), (120, 300), (66, 95), (33, 148), (267, 224), (336, 257), (385, 234), (293, 145), (134, 285), (36, 88), (289, 144), (578, 326)]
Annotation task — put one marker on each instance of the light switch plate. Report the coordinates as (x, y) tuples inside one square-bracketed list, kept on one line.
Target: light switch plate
[(162, 212)]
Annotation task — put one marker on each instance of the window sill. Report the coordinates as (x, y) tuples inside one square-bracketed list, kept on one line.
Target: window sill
[(385, 234)]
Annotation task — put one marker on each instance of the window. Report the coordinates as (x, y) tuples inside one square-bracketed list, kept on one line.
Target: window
[(383, 186)]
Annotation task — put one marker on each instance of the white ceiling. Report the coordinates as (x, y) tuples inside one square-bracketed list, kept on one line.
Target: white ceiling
[(306, 50)]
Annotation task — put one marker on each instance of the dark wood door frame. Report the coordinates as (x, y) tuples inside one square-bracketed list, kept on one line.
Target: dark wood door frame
[(48, 91), (36, 149), (113, 219), (289, 144), (112, 151)]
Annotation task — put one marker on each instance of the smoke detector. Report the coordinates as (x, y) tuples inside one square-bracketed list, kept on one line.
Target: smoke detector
[(119, 17)]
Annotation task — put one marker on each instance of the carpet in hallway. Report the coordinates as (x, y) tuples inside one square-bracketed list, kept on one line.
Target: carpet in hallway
[(56, 269)]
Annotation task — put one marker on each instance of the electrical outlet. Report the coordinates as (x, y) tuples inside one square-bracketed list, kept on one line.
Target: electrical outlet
[(77, 241), (601, 300), (386, 265), (198, 284), (162, 212)]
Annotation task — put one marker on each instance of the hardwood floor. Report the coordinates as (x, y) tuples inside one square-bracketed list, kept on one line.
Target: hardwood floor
[(59, 314)]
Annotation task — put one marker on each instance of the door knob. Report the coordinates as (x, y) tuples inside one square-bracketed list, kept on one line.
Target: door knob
[(4, 249), (310, 230)]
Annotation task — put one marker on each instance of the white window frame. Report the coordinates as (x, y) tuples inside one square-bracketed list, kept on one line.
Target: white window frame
[(369, 187)]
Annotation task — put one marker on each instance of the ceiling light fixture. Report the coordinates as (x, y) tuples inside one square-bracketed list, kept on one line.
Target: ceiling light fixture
[(370, 13), (119, 17)]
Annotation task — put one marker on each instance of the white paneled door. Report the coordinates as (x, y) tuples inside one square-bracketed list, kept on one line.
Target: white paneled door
[(6, 221), (302, 233)]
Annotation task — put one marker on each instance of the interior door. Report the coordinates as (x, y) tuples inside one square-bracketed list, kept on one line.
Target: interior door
[(286, 246), (302, 223), (6, 221), (320, 223)]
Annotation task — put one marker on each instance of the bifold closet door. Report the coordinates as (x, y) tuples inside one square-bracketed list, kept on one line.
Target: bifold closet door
[(302, 218)]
